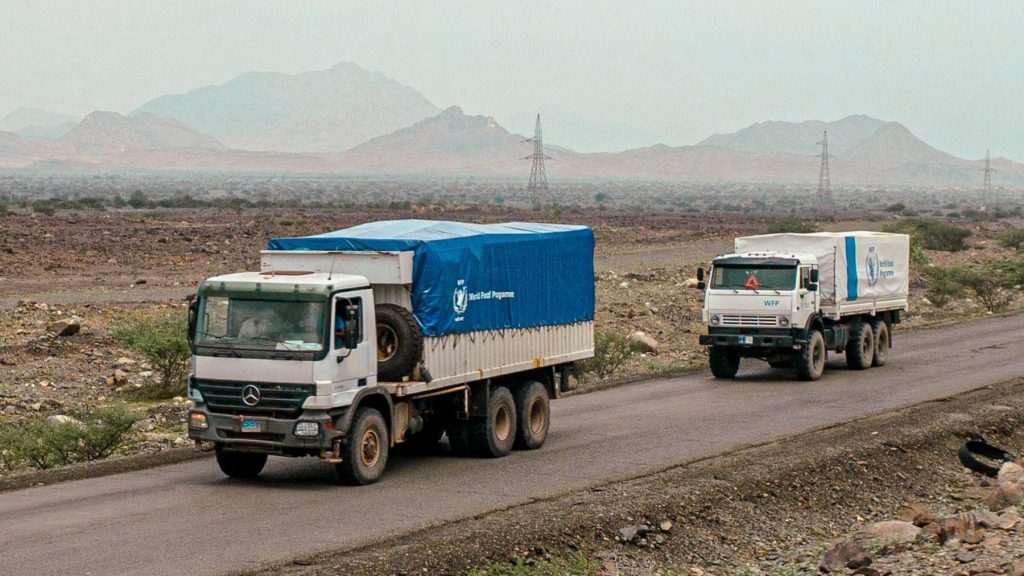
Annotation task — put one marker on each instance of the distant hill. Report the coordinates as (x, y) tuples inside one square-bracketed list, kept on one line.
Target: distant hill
[(34, 123), (325, 111), (797, 137), (101, 131), (448, 142)]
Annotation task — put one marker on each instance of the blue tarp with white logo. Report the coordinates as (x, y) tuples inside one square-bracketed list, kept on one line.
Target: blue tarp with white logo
[(469, 277)]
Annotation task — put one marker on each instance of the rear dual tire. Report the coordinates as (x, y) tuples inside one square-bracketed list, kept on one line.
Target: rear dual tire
[(860, 350), (883, 341)]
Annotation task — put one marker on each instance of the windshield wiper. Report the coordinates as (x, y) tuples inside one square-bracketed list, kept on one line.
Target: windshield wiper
[(224, 339)]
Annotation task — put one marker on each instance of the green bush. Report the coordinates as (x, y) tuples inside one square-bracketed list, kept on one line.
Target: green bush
[(611, 351), (931, 234), (918, 258), (1011, 271), (944, 284), (162, 339), (792, 225), (991, 287), (41, 445), (1013, 238)]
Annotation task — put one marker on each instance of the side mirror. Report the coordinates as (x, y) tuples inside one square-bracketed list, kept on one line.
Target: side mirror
[(352, 326), (700, 274), (814, 275), (193, 314)]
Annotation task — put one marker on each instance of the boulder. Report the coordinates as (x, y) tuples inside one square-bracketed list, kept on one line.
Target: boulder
[(848, 554), (59, 419), (1010, 472), (644, 342), (690, 283), (65, 327), (1005, 495), (887, 534)]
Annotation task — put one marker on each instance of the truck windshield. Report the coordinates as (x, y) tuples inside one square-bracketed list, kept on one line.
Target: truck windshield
[(753, 278), (236, 323)]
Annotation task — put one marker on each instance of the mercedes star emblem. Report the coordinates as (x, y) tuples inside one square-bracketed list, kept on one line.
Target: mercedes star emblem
[(251, 395)]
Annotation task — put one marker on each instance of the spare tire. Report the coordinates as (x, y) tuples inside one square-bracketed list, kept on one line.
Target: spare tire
[(399, 342)]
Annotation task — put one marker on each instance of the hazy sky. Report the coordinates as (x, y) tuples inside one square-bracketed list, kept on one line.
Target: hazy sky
[(951, 71)]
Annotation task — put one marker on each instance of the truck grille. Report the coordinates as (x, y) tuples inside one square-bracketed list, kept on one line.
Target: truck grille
[(754, 320), (275, 400)]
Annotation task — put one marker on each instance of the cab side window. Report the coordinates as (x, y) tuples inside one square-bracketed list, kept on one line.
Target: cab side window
[(348, 315), (805, 278)]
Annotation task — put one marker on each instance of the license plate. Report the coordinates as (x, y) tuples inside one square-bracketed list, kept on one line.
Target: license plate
[(252, 426), (746, 339)]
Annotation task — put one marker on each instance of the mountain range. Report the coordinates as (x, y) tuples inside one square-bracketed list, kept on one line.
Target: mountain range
[(346, 120)]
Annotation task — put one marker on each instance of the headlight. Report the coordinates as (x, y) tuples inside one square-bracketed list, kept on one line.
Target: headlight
[(715, 320), (198, 421), (307, 429), (783, 321)]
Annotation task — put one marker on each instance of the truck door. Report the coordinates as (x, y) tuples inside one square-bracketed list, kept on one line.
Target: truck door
[(808, 297), (352, 342)]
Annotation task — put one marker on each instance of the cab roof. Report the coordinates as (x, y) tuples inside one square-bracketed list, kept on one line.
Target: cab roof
[(286, 281)]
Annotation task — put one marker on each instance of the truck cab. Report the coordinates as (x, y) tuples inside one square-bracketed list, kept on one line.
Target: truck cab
[(275, 355)]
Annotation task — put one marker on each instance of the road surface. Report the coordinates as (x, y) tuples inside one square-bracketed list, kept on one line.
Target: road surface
[(188, 518)]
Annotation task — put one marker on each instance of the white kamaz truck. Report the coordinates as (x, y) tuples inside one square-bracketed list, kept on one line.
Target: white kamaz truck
[(788, 299), (348, 343)]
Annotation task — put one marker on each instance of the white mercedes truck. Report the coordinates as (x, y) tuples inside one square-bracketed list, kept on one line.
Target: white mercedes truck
[(789, 299), (346, 344)]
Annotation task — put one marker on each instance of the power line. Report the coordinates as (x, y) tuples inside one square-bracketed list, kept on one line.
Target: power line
[(824, 176), (538, 186), (988, 174)]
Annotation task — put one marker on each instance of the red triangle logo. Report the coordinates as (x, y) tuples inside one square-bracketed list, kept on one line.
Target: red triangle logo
[(752, 283)]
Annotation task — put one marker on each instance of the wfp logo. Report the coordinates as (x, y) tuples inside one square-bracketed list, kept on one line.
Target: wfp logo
[(772, 303), (460, 299), (873, 267)]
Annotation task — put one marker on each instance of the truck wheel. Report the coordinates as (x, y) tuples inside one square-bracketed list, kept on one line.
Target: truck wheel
[(493, 435), (366, 452), (860, 351), (241, 465), (534, 415), (882, 341), (399, 342), (810, 362), (725, 362)]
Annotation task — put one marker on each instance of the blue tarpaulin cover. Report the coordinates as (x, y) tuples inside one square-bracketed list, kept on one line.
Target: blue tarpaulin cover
[(469, 277)]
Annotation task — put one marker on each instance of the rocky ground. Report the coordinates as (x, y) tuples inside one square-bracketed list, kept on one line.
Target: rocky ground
[(881, 495), (99, 267)]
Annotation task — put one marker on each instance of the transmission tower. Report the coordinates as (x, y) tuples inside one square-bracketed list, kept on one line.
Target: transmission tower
[(824, 177), (988, 174), (538, 186)]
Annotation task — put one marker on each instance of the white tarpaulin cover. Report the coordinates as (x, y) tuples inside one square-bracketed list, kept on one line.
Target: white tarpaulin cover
[(851, 265)]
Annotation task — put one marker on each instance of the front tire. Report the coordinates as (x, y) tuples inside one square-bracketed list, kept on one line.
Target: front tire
[(725, 362), (365, 454), (241, 465), (883, 341), (860, 351), (810, 362), (533, 409)]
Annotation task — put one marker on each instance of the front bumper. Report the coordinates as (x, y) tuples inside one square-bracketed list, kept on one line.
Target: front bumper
[(261, 434), (747, 338)]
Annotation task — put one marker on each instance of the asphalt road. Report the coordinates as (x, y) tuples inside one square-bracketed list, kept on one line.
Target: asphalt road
[(188, 518)]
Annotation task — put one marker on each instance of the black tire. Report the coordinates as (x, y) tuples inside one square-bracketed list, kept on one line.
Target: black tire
[(810, 361), (241, 465), (860, 350), (493, 435), (882, 341), (399, 342), (533, 410), (725, 362), (365, 454)]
